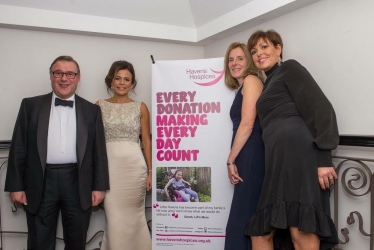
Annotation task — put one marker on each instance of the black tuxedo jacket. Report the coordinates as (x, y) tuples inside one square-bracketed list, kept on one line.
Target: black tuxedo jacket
[(28, 150)]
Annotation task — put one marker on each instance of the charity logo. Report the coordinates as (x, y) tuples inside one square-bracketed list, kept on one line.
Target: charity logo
[(203, 77)]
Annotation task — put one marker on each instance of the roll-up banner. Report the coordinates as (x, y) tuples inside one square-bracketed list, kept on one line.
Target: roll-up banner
[(191, 137)]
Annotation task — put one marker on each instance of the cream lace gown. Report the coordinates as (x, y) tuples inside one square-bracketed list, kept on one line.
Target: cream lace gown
[(126, 226)]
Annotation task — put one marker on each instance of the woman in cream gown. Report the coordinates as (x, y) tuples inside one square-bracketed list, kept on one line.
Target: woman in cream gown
[(129, 171)]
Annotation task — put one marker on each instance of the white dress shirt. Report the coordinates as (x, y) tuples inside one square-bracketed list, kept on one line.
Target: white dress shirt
[(62, 134)]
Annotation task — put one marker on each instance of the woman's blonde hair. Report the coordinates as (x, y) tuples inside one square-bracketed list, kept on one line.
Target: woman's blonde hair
[(251, 69)]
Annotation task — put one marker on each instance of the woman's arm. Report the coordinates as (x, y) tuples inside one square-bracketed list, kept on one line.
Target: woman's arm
[(251, 90), (318, 115), (315, 109), (146, 141)]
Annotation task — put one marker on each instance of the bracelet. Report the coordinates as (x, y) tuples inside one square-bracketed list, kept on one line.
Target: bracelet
[(149, 170), (230, 163)]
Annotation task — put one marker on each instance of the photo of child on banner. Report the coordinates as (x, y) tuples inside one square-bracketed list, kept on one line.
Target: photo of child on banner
[(185, 184)]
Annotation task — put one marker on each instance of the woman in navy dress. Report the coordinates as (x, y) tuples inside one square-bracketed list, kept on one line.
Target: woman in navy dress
[(245, 162), (299, 131)]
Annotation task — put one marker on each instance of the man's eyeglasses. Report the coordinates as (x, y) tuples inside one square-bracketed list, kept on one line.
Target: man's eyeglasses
[(69, 75)]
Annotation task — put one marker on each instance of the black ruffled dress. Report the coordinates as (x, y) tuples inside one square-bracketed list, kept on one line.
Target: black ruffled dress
[(299, 131)]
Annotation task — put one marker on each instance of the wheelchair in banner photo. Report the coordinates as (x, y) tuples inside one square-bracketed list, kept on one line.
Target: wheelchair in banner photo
[(178, 189)]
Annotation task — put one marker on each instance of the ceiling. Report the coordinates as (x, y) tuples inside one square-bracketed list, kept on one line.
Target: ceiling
[(197, 22)]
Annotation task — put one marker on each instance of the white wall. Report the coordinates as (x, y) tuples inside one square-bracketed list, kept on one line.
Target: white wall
[(25, 57), (333, 40)]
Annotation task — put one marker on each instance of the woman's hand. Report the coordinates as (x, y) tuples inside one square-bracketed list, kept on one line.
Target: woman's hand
[(326, 177), (233, 174), (148, 182)]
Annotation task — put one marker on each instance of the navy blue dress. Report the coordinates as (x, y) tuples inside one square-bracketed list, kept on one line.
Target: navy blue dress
[(251, 167)]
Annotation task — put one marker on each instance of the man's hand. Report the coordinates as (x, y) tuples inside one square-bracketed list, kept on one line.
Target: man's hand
[(19, 197), (97, 197)]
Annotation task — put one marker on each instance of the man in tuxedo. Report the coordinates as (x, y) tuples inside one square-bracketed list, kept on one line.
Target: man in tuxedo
[(58, 160)]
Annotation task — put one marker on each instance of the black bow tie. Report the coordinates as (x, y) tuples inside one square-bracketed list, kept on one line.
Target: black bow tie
[(65, 103)]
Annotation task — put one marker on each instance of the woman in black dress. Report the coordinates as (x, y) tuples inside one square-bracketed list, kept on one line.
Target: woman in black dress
[(299, 131), (246, 160)]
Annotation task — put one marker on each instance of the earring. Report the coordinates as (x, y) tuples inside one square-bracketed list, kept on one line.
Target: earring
[(258, 73), (279, 61), (111, 86)]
